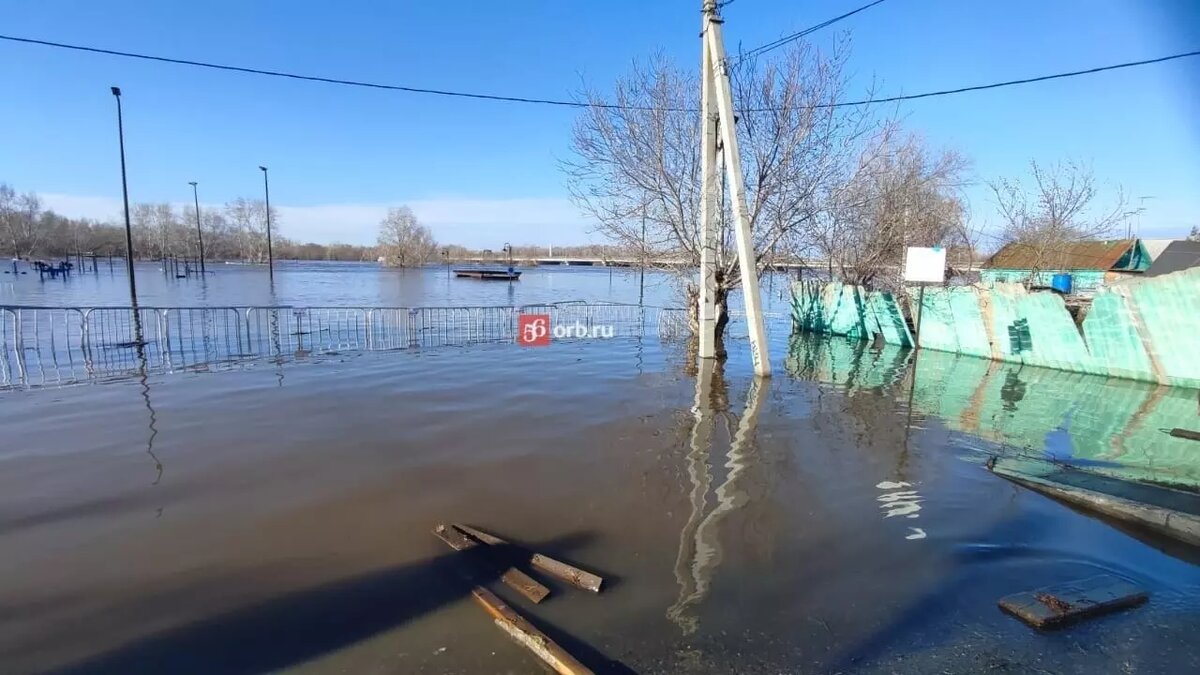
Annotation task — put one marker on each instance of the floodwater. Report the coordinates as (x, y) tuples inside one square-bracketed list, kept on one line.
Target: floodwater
[(351, 284), (277, 517)]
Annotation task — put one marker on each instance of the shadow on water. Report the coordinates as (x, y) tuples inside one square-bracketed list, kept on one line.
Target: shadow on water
[(293, 629), (923, 622)]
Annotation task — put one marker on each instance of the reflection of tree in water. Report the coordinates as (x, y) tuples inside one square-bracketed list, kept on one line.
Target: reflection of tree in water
[(700, 550)]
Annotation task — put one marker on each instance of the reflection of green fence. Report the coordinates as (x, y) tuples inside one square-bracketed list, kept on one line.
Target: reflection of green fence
[(1145, 329), (1111, 426)]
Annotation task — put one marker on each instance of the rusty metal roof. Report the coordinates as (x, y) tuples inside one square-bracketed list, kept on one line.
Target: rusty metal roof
[(1081, 255)]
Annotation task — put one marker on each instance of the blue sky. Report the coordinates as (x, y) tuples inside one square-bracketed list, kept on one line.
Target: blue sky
[(483, 173)]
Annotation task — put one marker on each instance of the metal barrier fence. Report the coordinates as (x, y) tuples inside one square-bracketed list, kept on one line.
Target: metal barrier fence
[(60, 345)]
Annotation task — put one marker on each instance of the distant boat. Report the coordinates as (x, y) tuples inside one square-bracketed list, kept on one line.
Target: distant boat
[(489, 275)]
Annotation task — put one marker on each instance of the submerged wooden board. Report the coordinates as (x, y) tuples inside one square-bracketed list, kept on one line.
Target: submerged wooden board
[(512, 577), (1057, 606), (560, 570)]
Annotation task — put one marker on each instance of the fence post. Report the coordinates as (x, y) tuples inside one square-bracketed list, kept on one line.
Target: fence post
[(411, 328), (19, 343)]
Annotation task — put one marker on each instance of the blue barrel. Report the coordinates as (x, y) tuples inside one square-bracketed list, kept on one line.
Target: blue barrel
[(1061, 282)]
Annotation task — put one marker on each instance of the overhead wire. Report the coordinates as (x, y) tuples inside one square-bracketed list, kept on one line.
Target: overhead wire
[(775, 44), (579, 104)]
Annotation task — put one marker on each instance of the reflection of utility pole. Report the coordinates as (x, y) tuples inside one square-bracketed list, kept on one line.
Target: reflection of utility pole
[(700, 551)]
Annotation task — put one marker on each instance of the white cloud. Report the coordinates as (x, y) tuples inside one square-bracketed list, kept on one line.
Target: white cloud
[(485, 223)]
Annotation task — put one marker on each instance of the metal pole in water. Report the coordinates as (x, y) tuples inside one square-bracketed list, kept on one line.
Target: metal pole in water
[(912, 385), (116, 91), (642, 275), (270, 254), (199, 232)]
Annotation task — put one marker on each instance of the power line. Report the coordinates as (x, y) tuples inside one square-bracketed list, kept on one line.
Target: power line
[(312, 78), (763, 49), (578, 104), (1010, 83)]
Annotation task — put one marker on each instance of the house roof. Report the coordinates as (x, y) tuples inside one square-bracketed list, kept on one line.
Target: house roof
[(1180, 255), (1155, 247), (1080, 255)]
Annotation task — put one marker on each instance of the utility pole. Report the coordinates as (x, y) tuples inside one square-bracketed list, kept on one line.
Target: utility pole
[(199, 232), (707, 311), (116, 92), (270, 254), (719, 117)]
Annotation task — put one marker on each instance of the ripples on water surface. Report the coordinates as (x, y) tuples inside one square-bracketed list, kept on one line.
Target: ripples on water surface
[(277, 517)]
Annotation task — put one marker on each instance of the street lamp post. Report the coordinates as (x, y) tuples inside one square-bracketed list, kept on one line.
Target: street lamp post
[(199, 232), (270, 254), (116, 92)]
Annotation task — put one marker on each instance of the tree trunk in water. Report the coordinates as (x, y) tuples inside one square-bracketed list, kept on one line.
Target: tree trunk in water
[(692, 296)]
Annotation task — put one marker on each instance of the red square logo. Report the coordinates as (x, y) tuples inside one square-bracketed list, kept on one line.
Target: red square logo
[(533, 330)]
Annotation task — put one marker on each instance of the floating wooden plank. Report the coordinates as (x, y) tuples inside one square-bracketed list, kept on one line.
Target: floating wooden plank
[(527, 635), (1057, 606), (1186, 433), (512, 577), (556, 568)]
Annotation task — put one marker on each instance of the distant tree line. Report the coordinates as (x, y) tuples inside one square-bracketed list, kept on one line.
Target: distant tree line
[(235, 231)]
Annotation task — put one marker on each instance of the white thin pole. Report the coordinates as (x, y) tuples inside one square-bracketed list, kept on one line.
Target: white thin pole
[(733, 169)]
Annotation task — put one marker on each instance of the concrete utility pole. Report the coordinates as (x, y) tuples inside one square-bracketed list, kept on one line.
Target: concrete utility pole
[(707, 313), (716, 105)]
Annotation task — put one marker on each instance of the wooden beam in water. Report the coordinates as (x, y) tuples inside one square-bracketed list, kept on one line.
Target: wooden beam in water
[(512, 577), (562, 571), (1057, 606), (527, 635)]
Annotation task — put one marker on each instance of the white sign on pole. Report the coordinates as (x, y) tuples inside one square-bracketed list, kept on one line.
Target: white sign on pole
[(926, 265)]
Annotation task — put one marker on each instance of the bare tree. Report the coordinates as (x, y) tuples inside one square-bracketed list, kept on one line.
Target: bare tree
[(403, 240), (1056, 210), (19, 220), (901, 195), (248, 220), (637, 150)]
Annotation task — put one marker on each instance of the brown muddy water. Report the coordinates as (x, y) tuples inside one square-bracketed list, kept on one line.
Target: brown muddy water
[(277, 518)]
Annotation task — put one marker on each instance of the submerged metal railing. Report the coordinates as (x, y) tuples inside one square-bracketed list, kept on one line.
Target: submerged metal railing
[(59, 345)]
